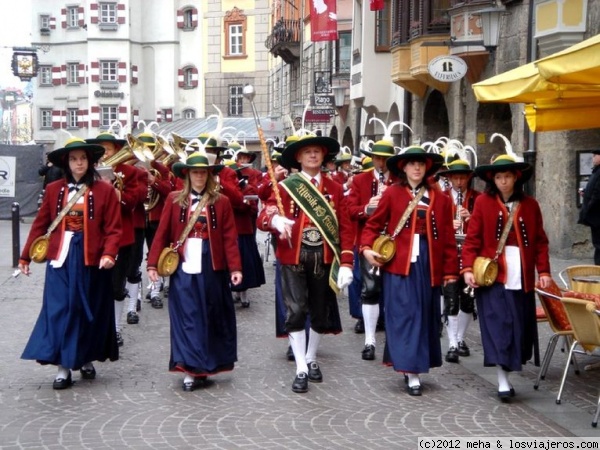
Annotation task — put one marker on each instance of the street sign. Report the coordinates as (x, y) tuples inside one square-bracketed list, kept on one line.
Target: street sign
[(323, 100)]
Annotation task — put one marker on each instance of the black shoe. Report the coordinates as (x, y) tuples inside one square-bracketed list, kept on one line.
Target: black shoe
[(314, 372), (88, 374), (290, 354), (359, 328), (148, 296), (245, 304), (415, 391), (300, 384), (132, 318), (368, 353), (119, 339), (189, 386), (156, 302), (452, 355), (463, 349), (505, 396), (62, 383), (380, 325)]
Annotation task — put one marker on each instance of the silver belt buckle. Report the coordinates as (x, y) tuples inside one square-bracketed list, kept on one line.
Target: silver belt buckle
[(312, 237)]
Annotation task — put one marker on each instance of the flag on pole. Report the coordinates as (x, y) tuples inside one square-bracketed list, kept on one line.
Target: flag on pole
[(323, 20), (376, 5)]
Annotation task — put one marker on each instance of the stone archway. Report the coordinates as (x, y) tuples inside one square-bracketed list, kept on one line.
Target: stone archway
[(492, 118), (435, 117), (347, 140)]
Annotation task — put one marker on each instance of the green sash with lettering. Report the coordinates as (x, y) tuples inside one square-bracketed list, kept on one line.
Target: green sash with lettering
[(320, 212)]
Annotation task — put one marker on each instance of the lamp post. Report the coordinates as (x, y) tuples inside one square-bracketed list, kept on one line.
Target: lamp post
[(339, 97)]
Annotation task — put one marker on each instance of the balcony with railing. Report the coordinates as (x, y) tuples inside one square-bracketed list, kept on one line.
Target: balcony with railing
[(284, 41)]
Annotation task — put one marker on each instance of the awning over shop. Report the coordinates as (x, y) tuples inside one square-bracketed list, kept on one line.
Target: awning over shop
[(578, 64), (568, 114), (561, 91)]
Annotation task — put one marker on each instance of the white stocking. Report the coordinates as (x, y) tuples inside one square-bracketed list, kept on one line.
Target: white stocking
[(370, 317), (133, 289), (313, 345), (503, 383), (413, 379), (119, 314), (464, 320), (452, 329), (298, 343)]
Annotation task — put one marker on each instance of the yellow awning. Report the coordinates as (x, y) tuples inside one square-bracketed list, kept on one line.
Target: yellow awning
[(525, 85), (568, 114), (578, 64)]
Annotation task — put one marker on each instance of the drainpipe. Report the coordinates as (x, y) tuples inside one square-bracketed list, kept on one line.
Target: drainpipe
[(530, 137), (406, 117)]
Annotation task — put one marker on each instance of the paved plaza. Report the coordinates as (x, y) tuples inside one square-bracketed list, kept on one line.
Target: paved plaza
[(136, 403)]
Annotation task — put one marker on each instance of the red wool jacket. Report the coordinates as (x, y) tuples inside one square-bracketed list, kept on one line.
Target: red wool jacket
[(222, 233), (485, 227), (440, 232), (101, 222)]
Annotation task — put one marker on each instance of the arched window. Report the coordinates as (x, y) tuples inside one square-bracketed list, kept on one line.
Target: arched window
[(188, 113), (235, 34), (188, 77)]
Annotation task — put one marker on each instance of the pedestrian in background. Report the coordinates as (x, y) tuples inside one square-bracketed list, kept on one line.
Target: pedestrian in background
[(590, 208), (506, 309), (76, 323), (201, 309)]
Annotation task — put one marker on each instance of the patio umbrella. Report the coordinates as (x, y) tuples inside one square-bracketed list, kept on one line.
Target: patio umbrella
[(565, 114), (578, 64)]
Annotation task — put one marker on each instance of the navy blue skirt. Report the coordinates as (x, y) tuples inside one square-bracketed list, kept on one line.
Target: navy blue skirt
[(508, 326), (412, 318), (76, 324), (202, 318), (252, 265)]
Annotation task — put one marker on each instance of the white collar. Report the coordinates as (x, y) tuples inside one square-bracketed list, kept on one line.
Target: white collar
[(309, 177)]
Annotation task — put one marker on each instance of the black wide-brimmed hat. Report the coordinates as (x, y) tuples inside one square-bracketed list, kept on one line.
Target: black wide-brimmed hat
[(59, 157), (288, 155), (196, 160), (107, 137), (505, 163), (458, 166), (433, 161)]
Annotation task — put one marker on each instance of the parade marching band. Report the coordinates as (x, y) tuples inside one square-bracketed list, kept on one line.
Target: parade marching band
[(403, 242)]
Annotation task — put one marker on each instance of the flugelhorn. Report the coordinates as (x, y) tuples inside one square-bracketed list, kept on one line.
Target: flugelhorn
[(141, 151)]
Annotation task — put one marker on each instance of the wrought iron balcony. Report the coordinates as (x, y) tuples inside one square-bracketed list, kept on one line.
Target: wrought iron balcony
[(284, 40)]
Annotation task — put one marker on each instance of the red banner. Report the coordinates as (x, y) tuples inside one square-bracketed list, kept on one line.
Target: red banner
[(323, 20), (376, 5)]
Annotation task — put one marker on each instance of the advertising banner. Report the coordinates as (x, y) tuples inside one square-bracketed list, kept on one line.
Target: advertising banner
[(323, 20)]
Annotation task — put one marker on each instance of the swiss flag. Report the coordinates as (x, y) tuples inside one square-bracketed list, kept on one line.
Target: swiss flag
[(376, 5)]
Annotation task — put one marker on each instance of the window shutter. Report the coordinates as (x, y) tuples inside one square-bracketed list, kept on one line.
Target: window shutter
[(63, 74), (122, 115), (194, 77), (55, 76), (135, 118), (95, 116), (55, 119), (122, 72), (94, 11), (80, 16), (134, 74), (121, 13), (63, 16), (159, 116), (81, 73), (194, 17), (180, 78), (168, 115), (82, 118), (95, 72), (53, 23), (180, 22)]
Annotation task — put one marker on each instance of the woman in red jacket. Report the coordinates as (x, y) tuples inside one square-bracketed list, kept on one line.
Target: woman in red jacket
[(425, 259), (506, 309), (201, 310), (76, 323)]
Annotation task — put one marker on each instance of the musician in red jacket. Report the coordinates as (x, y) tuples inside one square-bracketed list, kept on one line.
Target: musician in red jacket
[(364, 197), (506, 309), (128, 190), (201, 310), (76, 323), (425, 258), (459, 306), (315, 245)]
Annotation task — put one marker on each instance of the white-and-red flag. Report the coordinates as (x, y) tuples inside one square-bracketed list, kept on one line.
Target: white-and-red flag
[(323, 20)]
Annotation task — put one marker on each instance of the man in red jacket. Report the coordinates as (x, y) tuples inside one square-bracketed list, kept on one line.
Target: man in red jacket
[(315, 248)]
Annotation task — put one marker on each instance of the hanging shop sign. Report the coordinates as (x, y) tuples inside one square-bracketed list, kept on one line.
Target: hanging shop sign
[(448, 68)]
